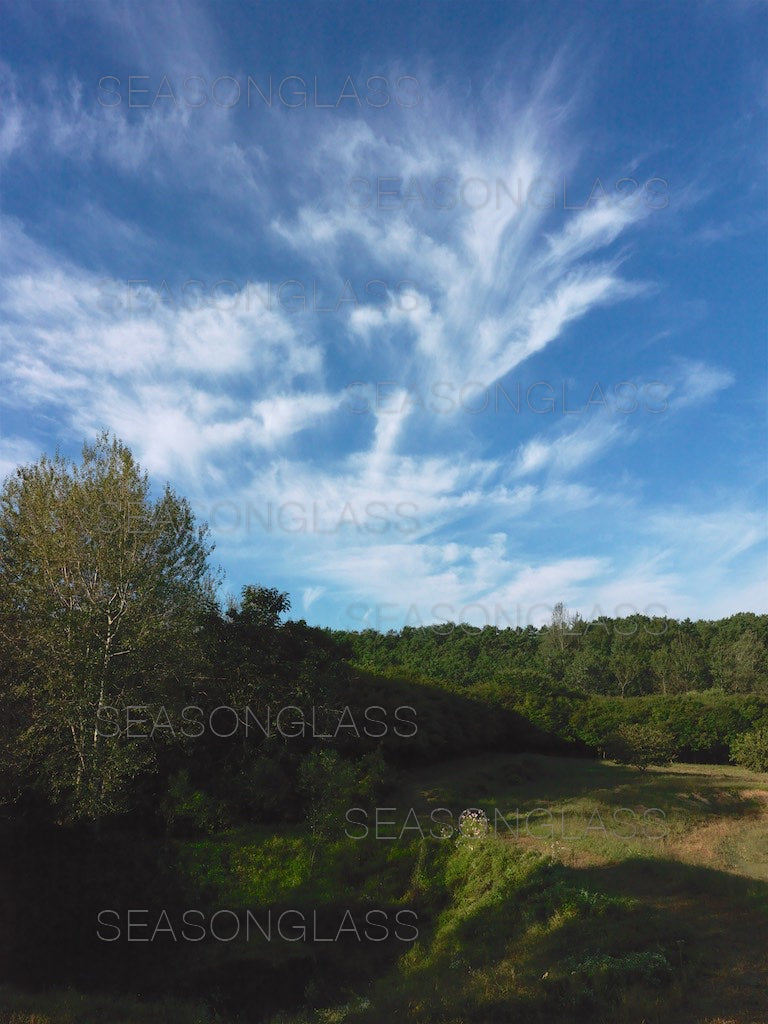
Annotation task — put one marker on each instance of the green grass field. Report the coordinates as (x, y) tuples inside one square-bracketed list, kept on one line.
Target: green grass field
[(605, 895)]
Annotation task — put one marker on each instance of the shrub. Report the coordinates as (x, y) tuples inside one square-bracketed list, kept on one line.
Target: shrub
[(750, 750), (187, 809), (641, 745)]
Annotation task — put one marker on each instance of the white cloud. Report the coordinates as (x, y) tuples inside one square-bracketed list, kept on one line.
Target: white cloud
[(158, 374), (571, 450), (16, 451), (229, 401), (697, 381)]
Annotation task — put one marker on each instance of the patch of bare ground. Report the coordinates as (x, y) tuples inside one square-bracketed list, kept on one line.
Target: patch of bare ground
[(708, 844)]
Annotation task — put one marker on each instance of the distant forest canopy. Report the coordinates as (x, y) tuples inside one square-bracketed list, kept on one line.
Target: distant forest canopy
[(625, 657)]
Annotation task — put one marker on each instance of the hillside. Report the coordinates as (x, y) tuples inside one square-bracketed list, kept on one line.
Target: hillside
[(587, 915)]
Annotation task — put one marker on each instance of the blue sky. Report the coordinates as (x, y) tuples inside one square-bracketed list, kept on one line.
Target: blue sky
[(447, 311)]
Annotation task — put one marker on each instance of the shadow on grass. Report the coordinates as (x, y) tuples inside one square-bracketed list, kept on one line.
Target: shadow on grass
[(526, 781), (56, 882), (643, 940)]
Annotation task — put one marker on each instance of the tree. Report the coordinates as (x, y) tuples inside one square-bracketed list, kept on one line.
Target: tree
[(641, 745), (626, 666), (589, 670), (262, 660), (331, 784), (559, 639), (741, 665), (102, 596), (750, 750), (663, 665), (687, 666), (263, 606)]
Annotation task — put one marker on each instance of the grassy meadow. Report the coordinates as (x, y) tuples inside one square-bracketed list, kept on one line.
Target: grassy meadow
[(602, 893)]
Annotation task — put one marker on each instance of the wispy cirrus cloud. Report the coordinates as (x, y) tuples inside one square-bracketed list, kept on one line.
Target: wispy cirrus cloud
[(456, 213)]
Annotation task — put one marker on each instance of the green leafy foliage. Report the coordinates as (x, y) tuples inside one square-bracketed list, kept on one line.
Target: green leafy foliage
[(103, 593), (641, 745), (750, 750)]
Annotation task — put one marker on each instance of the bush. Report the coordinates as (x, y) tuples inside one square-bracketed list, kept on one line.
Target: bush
[(750, 750), (641, 745), (187, 809)]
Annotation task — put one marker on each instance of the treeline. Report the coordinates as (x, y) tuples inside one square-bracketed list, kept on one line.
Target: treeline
[(540, 675), (626, 657)]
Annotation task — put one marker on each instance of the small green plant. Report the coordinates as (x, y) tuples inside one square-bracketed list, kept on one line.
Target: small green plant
[(601, 978), (643, 965)]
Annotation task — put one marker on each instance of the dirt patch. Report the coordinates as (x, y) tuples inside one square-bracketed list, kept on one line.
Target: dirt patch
[(706, 844)]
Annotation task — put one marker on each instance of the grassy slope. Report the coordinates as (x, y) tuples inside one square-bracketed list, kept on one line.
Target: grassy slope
[(699, 893), (564, 924), (577, 924)]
